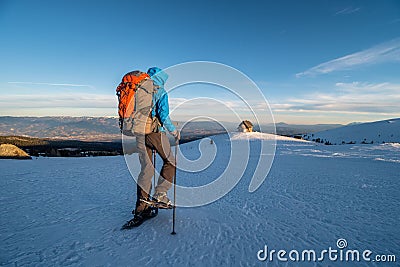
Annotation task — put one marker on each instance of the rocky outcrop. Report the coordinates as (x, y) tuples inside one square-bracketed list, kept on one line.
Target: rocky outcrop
[(8, 151)]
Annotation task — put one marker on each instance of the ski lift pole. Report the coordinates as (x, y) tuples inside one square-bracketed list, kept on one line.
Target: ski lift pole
[(174, 205)]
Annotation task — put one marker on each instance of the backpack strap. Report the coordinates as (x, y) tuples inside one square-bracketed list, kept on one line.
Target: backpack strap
[(155, 121)]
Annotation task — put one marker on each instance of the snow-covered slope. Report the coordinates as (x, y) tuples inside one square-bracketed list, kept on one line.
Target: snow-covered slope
[(68, 211), (262, 136), (375, 132)]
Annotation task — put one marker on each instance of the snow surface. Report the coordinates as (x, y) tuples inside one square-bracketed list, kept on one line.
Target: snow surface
[(377, 132), (68, 211), (262, 136)]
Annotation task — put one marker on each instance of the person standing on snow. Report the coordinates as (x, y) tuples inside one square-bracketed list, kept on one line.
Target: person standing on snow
[(159, 142)]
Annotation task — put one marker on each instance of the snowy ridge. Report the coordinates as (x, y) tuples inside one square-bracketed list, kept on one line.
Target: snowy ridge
[(262, 136), (366, 133)]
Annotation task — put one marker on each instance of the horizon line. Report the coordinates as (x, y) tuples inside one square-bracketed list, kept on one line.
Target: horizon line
[(116, 117)]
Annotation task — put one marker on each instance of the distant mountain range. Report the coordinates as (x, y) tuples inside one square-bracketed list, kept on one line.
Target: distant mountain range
[(106, 129), (79, 128), (298, 129), (386, 131), (84, 136)]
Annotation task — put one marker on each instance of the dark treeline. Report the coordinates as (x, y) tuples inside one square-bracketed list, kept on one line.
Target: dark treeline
[(74, 148)]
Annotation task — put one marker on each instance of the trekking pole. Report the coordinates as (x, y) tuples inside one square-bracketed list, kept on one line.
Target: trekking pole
[(154, 170), (174, 207)]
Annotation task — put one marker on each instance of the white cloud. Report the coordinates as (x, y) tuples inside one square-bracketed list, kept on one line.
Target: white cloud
[(347, 98), (348, 10), (206, 105), (386, 52), (72, 100), (85, 104), (218, 108), (73, 104), (53, 84)]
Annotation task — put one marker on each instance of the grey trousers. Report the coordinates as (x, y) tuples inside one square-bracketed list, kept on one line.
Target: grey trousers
[(145, 144)]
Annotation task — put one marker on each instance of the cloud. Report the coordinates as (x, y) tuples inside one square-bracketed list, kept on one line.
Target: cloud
[(218, 108), (54, 84), (348, 10), (54, 101), (85, 104), (394, 21), (215, 104), (385, 52), (206, 105), (347, 98)]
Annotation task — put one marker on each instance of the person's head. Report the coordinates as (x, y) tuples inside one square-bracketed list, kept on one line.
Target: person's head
[(158, 76)]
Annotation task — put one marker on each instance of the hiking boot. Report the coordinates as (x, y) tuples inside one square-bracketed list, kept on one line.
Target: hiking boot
[(162, 198), (143, 205), (140, 217), (149, 213)]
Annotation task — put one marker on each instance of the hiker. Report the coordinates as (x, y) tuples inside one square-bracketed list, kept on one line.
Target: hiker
[(158, 141)]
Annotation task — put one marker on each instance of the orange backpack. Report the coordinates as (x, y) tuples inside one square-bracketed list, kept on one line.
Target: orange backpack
[(126, 92)]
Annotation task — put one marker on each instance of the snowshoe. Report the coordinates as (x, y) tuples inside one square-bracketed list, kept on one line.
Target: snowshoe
[(140, 217), (162, 200), (159, 205)]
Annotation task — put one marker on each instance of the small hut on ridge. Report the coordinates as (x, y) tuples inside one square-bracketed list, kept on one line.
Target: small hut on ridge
[(245, 127)]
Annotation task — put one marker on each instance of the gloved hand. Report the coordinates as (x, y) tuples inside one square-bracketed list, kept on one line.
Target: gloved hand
[(176, 134)]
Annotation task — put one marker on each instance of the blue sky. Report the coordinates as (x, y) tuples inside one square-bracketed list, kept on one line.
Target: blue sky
[(315, 61)]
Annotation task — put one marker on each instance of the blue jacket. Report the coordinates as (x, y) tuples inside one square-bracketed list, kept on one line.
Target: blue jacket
[(160, 99)]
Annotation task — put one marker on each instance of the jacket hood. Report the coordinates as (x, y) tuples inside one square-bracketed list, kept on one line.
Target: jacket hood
[(158, 76)]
